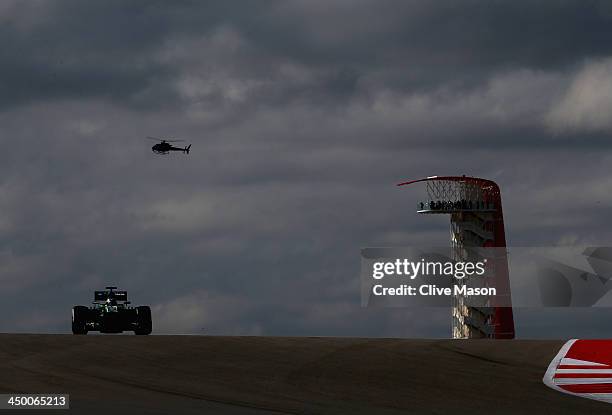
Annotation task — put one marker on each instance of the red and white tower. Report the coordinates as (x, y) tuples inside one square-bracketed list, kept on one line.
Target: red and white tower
[(477, 220)]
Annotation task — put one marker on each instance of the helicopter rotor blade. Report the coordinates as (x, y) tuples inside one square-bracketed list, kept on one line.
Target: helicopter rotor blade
[(163, 139)]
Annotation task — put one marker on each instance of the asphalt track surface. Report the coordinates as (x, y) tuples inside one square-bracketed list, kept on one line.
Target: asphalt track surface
[(262, 375)]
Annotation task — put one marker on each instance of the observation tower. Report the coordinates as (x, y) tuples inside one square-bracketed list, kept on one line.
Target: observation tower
[(477, 221)]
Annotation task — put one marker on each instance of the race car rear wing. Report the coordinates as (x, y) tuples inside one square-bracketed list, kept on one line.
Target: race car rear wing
[(101, 296)]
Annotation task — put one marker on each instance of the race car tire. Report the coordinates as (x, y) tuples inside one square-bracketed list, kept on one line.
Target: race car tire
[(144, 325), (79, 319)]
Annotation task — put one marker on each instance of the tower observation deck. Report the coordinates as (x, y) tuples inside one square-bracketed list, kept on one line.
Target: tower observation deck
[(477, 220)]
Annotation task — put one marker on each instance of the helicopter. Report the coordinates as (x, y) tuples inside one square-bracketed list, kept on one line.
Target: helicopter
[(164, 146)]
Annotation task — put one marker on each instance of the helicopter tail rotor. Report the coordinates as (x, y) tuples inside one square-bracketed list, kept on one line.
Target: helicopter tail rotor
[(187, 148)]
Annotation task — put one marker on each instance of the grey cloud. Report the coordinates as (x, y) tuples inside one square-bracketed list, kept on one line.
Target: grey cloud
[(110, 49), (586, 104)]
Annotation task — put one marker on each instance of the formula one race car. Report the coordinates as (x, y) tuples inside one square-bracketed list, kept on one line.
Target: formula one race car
[(111, 313)]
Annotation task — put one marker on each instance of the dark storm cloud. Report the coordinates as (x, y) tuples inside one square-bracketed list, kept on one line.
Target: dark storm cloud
[(303, 115), (71, 49)]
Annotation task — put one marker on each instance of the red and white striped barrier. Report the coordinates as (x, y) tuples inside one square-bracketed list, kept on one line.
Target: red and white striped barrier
[(583, 368)]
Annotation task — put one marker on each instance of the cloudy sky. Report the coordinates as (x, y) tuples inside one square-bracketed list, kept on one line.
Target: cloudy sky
[(303, 116)]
